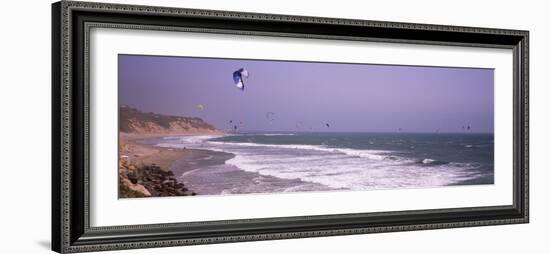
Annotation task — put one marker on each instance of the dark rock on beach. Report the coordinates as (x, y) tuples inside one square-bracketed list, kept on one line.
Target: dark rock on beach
[(149, 180)]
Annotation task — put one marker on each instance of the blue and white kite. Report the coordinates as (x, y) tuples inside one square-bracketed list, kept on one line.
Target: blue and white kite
[(239, 76)]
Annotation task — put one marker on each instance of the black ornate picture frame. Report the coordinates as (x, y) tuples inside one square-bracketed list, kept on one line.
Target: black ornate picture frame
[(71, 230)]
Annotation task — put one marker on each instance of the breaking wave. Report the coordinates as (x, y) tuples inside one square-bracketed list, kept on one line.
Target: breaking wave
[(335, 167)]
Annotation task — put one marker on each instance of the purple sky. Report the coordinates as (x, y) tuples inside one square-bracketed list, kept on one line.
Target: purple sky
[(350, 97)]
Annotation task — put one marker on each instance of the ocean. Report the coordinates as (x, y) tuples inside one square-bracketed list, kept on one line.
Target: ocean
[(295, 162)]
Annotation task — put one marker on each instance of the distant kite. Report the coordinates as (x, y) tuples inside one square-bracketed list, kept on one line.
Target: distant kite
[(239, 76), (328, 125), (270, 116)]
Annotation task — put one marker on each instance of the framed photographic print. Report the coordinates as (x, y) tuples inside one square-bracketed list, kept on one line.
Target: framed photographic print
[(182, 126)]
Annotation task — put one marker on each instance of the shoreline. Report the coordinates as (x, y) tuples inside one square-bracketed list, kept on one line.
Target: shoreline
[(145, 170), (212, 163), (209, 169), (197, 159), (148, 153)]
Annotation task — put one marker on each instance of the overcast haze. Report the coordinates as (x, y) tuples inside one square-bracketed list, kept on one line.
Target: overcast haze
[(350, 97)]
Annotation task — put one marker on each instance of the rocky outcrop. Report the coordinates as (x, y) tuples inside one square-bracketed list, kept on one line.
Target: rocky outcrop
[(148, 181), (135, 121)]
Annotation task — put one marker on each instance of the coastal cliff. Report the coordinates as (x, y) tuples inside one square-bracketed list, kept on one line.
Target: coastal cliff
[(134, 121)]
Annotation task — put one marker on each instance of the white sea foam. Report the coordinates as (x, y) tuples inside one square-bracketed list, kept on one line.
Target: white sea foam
[(428, 161), (338, 168), (351, 172), (370, 154)]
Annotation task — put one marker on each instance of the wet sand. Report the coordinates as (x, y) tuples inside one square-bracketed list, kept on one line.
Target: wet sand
[(198, 158), (138, 153)]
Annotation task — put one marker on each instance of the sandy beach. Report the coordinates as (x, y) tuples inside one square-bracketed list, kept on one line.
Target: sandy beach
[(138, 161), (148, 154)]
